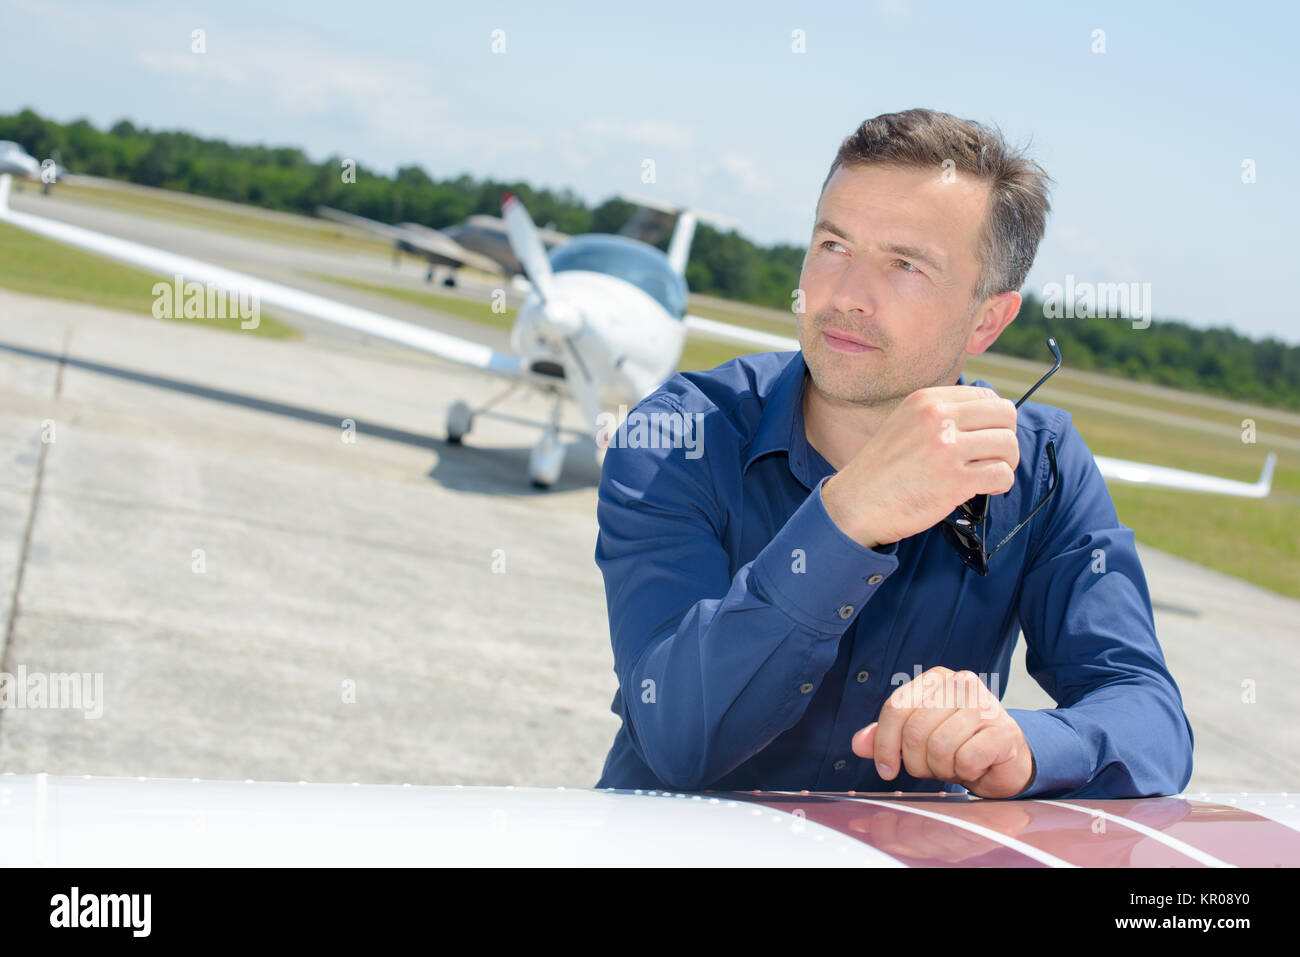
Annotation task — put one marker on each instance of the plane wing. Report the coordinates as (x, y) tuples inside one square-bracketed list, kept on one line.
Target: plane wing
[(1158, 476), (440, 344), (428, 242), (69, 821), (726, 332), (1113, 470)]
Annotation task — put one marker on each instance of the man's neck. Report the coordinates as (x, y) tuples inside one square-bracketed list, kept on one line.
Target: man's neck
[(838, 429)]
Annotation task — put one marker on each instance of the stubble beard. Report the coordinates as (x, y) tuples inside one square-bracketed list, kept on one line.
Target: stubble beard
[(873, 378)]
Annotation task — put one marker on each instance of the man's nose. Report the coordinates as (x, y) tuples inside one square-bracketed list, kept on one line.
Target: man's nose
[(855, 289)]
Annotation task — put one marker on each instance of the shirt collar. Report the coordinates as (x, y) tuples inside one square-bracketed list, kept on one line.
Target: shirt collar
[(780, 429)]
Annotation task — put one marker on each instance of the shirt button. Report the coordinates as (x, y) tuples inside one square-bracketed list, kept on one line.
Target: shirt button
[(846, 612), (806, 687), (862, 676), (875, 579), (839, 765)]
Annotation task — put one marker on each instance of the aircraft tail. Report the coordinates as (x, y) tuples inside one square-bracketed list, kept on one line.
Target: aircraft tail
[(655, 218), (679, 247)]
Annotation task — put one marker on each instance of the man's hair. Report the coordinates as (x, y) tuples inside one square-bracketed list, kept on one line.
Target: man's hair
[(1018, 205)]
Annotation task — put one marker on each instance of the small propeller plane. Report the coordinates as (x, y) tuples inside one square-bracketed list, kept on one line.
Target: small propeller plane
[(480, 242), (605, 321), (16, 161)]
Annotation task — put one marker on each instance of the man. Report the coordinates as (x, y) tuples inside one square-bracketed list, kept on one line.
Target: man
[(784, 610)]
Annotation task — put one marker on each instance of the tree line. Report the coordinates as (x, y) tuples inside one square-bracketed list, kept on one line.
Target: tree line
[(1217, 361)]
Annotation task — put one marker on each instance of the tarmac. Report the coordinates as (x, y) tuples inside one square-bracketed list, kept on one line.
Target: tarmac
[(272, 593)]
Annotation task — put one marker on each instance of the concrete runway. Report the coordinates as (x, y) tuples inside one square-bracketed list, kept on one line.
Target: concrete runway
[(323, 562), (199, 531)]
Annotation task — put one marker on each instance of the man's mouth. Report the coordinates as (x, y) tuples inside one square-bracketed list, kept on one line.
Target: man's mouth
[(846, 342)]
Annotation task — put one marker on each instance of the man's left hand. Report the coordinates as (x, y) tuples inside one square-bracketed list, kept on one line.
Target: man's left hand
[(947, 724)]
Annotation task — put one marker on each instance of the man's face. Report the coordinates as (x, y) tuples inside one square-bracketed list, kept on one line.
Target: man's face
[(893, 264)]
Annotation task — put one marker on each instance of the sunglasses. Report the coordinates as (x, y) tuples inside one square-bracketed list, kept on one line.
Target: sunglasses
[(965, 528)]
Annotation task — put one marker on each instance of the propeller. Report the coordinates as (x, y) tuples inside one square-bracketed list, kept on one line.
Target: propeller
[(559, 321), (527, 245)]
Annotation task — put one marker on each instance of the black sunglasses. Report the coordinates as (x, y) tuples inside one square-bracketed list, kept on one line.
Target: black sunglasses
[(964, 529)]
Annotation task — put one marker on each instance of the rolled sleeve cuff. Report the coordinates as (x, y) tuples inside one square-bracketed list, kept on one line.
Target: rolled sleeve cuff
[(1062, 761), (817, 574)]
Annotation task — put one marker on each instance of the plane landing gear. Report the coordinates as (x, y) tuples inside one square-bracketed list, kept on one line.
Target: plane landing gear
[(547, 457), (545, 460), (460, 419)]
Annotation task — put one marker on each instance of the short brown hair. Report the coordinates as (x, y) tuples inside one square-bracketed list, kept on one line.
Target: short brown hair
[(1018, 204)]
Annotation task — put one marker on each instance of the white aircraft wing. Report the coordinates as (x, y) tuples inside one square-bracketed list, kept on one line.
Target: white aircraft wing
[(1158, 476), (726, 332), (440, 344), (1113, 470)]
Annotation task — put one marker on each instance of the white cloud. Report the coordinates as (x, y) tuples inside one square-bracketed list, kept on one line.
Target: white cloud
[(387, 100), (663, 135), (742, 171)]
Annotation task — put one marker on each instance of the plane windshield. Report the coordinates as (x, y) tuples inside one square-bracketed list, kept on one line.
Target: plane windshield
[(626, 259)]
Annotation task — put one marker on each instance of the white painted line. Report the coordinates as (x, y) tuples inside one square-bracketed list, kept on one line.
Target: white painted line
[(1182, 847), (1041, 856)]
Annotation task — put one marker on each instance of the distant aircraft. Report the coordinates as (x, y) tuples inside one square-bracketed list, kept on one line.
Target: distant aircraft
[(483, 242), (605, 321), (16, 161), (479, 242)]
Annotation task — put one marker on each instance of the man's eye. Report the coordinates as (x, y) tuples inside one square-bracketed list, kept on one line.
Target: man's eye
[(910, 267), (829, 242)]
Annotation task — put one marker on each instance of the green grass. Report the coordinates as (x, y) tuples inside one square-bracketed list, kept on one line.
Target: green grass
[(1245, 538), (1066, 385), (42, 267), (473, 309)]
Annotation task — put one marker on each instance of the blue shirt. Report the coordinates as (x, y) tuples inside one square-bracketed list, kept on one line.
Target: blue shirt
[(752, 637)]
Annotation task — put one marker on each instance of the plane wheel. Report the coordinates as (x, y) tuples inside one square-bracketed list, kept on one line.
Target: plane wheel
[(460, 419), (546, 460)]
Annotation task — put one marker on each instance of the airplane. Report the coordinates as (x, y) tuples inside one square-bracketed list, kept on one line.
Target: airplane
[(483, 242), (479, 242), (605, 321), (91, 821), (16, 161)]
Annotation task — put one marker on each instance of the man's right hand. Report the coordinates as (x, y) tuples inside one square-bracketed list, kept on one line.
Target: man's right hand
[(940, 447)]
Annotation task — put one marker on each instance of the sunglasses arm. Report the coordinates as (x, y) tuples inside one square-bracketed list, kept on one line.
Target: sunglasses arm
[(1054, 481)]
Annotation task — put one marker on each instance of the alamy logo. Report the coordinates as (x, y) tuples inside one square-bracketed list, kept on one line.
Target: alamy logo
[(652, 430), (195, 300), (1101, 300), (82, 691), (102, 910)]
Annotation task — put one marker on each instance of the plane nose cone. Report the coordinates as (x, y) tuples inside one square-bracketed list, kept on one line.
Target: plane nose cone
[(562, 318)]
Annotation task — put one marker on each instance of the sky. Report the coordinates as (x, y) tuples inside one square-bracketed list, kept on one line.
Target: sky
[(1142, 113)]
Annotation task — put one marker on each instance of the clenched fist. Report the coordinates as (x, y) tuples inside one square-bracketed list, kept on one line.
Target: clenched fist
[(940, 447), (949, 725)]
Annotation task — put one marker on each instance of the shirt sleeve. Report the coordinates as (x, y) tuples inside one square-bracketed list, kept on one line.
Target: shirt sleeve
[(712, 666), (1119, 729)]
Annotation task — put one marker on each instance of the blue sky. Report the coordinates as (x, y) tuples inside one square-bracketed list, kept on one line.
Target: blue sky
[(1145, 141)]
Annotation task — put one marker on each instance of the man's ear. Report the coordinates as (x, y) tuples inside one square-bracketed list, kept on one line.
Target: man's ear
[(993, 315)]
